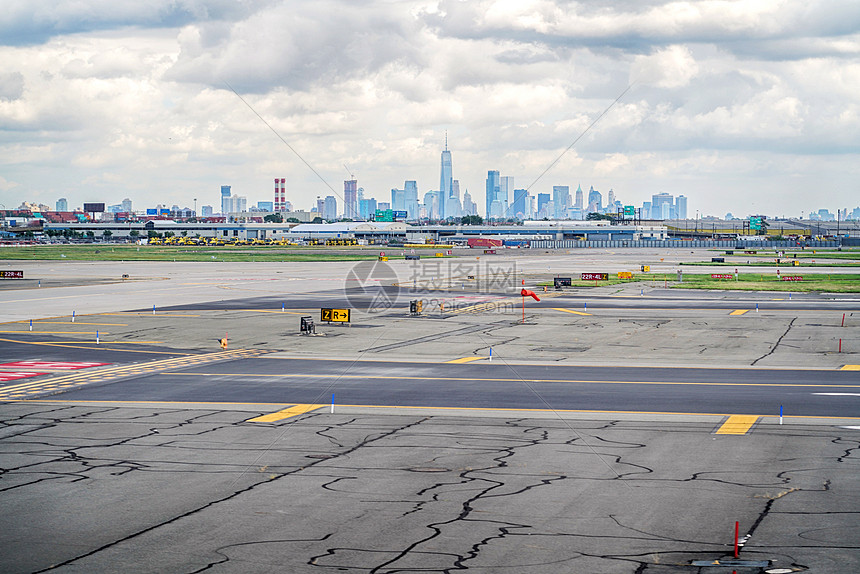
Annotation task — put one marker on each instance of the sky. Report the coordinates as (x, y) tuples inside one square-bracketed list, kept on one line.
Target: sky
[(744, 107)]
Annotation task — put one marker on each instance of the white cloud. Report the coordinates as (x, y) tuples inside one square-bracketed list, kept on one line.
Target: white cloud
[(129, 99)]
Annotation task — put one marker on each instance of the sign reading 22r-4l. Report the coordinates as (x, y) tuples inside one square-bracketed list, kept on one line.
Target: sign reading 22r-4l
[(334, 315)]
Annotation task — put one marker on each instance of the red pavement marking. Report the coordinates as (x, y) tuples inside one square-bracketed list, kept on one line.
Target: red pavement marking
[(13, 376), (51, 365)]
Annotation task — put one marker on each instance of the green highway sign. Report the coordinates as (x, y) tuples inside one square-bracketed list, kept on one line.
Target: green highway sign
[(384, 215), (755, 222), (629, 211)]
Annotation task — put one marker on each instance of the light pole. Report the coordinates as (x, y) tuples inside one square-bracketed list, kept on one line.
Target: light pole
[(195, 207)]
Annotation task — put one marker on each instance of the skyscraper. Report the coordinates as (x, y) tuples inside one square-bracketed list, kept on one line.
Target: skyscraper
[(492, 191), (350, 199), (330, 208), (521, 206), (681, 207), (578, 203), (126, 205), (469, 207), (542, 200), (657, 202), (446, 180), (62, 204), (560, 200), (595, 201), (225, 199), (398, 199), (410, 199)]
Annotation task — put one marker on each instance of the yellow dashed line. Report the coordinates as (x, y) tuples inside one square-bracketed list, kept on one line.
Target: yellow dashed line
[(285, 414), (737, 424), (93, 333), (465, 360), (571, 311)]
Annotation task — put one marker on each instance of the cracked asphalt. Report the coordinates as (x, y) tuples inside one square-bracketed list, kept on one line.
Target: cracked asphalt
[(158, 489), (160, 469)]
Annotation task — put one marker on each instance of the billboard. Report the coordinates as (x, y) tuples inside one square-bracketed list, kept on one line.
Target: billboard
[(164, 212), (152, 212), (94, 207)]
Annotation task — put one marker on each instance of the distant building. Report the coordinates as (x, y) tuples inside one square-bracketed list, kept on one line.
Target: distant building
[(62, 204), (266, 205), (225, 199), (492, 191), (206, 211), (280, 195), (446, 181), (366, 208), (560, 201), (410, 199), (542, 200), (521, 206), (579, 199), (681, 207), (383, 205), (595, 201), (469, 206), (350, 199), (657, 203), (126, 205), (330, 208)]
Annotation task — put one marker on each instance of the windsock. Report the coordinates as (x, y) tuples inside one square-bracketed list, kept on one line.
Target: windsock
[(532, 294)]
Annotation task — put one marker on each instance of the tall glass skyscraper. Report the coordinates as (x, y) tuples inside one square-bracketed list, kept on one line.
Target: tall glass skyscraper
[(492, 192), (446, 180)]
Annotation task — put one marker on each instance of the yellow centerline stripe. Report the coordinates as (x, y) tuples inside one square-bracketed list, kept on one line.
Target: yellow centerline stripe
[(56, 332), (737, 424), (293, 411), (501, 380), (157, 314), (40, 322), (571, 311), (481, 409)]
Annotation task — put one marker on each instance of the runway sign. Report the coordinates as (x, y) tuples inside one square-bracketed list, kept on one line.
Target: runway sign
[(14, 376), (594, 276), (722, 276), (792, 278), (7, 274), (334, 315), (50, 365)]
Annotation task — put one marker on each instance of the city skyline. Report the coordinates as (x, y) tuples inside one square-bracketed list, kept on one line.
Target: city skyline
[(742, 109)]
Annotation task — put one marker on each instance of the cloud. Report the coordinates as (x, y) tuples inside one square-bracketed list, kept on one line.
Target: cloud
[(11, 85), (736, 93), (671, 67), (29, 22)]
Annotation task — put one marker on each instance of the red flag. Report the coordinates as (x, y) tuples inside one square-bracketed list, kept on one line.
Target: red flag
[(532, 294)]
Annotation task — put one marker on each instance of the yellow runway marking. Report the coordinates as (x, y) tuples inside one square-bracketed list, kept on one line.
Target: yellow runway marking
[(285, 414), (73, 323), (737, 424), (850, 368), (157, 314), (502, 380), (93, 333), (466, 360), (571, 311), (396, 407), (738, 311)]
